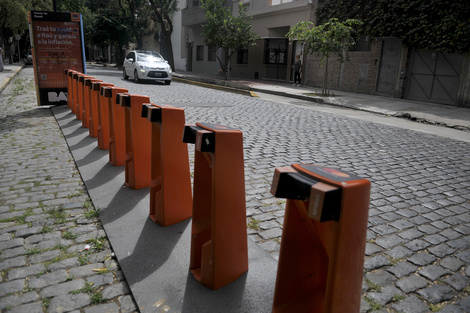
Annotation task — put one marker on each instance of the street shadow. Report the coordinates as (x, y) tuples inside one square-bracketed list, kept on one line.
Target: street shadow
[(105, 174), (93, 156), (20, 120), (197, 297), (152, 250)]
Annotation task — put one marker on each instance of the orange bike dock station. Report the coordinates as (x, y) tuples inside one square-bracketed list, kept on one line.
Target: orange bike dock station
[(323, 240), (156, 259)]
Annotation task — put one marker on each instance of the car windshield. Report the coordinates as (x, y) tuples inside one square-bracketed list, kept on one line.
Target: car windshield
[(149, 57)]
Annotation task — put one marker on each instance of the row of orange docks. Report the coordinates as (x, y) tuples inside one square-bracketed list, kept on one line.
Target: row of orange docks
[(323, 242)]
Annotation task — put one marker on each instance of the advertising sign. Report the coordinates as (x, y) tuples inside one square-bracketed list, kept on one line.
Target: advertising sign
[(57, 45)]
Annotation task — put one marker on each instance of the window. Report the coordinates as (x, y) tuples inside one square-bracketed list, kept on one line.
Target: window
[(277, 2), (362, 44), (242, 56), (199, 53), (275, 51), (211, 53)]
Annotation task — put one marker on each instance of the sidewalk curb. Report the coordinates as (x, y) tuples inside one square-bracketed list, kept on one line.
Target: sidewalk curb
[(213, 85), (8, 79)]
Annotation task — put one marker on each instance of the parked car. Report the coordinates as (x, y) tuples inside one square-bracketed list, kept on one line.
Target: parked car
[(146, 65), (29, 58)]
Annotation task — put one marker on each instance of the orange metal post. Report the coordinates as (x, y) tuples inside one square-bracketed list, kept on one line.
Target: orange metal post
[(80, 100), (86, 111), (170, 184), (323, 241), (95, 99), (103, 118), (75, 91), (219, 252), (137, 142), (117, 132)]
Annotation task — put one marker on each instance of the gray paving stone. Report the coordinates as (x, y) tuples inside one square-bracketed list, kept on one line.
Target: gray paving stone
[(103, 308), (101, 279), (402, 269), (452, 263), (441, 250), (451, 308), (411, 304), (67, 303), (64, 264), (376, 262), (127, 304), (433, 272), (464, 256), (62, 289), (271, 233), (35, 307), (381, 278), (389, 241), (465, 304), (49, 279), (422, 258), (437, 293), (10, 263), (14, 300), (115, 290), (12, 286), (25, 271), (13, 243), (45, 256), (385, 295), (372, 248), (86, 270), (417, 245), (457, 281), (11, 253), (411, 234), (412, 283), (25, 232), (399, 252)]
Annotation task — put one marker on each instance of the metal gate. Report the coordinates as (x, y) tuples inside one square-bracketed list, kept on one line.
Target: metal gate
[(434, 76), (389, 65)]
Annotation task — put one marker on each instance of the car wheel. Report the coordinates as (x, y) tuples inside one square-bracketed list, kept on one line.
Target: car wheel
[(124, 75), (167, 82), (136, 76)]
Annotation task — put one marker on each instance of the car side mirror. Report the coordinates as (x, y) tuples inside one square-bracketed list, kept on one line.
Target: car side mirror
[(131, 60)]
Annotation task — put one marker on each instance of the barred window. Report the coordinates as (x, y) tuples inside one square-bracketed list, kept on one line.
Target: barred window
[(200, 53), (275, 51)]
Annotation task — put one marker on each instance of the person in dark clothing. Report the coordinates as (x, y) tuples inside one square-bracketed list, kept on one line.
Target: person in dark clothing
[(297, 70)]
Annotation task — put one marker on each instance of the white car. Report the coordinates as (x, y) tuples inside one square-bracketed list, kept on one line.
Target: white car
[(146, 65)]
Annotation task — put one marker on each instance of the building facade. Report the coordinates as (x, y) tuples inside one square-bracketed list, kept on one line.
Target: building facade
[(380, 66)]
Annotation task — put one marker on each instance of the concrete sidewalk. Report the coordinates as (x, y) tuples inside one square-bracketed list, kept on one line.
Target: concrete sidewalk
[(431, 113), (9, 71)]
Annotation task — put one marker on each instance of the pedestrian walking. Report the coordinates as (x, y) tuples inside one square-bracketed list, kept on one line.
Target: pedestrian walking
[(297, 66), (1, 59)]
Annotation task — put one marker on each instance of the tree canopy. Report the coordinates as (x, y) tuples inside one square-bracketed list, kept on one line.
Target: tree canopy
[(424, 24), (224, 31)]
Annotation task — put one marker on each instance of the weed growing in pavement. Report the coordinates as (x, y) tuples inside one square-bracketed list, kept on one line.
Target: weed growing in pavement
[(373, 286), (83, 259), (46, 229), (33, 251), (92, 213), (435, 307), (374, 305), (58, 214), (96, 297), (253, 223), (68, 235), (98, 244)]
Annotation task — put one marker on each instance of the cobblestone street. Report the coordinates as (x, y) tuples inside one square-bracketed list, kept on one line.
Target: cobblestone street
[(55, 255)]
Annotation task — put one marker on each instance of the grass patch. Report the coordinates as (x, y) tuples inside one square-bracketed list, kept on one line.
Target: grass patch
[(33, 251), (68, 235), (96, 297), (98, 244), (435, 307), (57, 214), (83, 259), (374, 306), (373, 286), (46, 229), (253, 223)]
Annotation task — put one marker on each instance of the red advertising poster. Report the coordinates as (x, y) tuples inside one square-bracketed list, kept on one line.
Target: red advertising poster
[(57, 42)]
